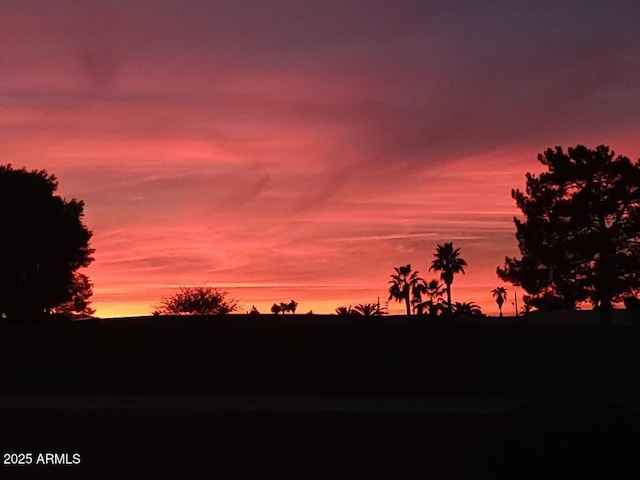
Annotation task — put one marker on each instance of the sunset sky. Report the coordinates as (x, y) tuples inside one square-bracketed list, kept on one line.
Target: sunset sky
[(302, 149)]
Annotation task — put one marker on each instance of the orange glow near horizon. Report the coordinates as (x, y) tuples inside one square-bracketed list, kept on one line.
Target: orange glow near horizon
[(341, 253), (306, 303)]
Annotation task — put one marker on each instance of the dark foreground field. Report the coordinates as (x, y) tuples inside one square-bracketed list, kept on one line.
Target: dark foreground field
[(321, 397), (552, 443)]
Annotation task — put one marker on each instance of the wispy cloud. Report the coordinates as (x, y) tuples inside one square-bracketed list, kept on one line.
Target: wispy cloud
[(305, 143)]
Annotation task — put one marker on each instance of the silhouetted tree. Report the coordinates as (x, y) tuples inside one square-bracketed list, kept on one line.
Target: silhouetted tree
[(43, 243), (254, 312), (549, 299), (447, 261), (276, 309), (580, 239), (367, 309), (344, 311), (78, 306), (284, 307), (526, 308), (197, 301), (500, 294), (467, 309), (419, 288), (631, 303), (403, 283), (434, 304), (292, 306)]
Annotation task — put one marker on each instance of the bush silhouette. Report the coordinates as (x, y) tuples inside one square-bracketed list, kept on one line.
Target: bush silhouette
[(197, 301)]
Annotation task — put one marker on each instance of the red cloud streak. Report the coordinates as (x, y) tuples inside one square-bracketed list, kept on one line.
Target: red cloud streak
[(298, 152)]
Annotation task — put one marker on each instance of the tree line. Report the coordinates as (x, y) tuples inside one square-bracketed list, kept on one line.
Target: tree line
[(579, 241)]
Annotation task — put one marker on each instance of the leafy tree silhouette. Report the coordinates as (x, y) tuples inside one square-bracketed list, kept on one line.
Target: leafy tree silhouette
[(500, 294), (197, 301), (254, 312), (580, 239), (404, 282), (292, 306), (631, 303), (447, 261), (284, 307), (43, 243), (526, 308), (81, 290)]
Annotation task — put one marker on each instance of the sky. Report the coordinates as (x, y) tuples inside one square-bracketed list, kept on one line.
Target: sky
[(301, 149)]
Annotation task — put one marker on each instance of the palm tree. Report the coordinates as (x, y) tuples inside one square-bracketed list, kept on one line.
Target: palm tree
[(434, 291), (366, 309), (500, 294), (467, 308), (403, 283), (344, 311), (419, 289), (447, 260)]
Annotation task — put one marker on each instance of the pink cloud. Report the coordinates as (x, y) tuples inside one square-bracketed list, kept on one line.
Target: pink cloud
[(304, 150)]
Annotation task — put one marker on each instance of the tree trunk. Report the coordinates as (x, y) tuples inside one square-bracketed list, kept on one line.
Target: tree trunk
[(408, 302), (605, 273), (449, 299), (605, 312)]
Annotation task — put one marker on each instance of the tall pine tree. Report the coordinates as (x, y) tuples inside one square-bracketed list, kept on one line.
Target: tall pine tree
[(580, 239)]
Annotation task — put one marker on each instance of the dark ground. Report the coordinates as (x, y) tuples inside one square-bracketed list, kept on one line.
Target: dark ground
[(552, 444), (568, 398)]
